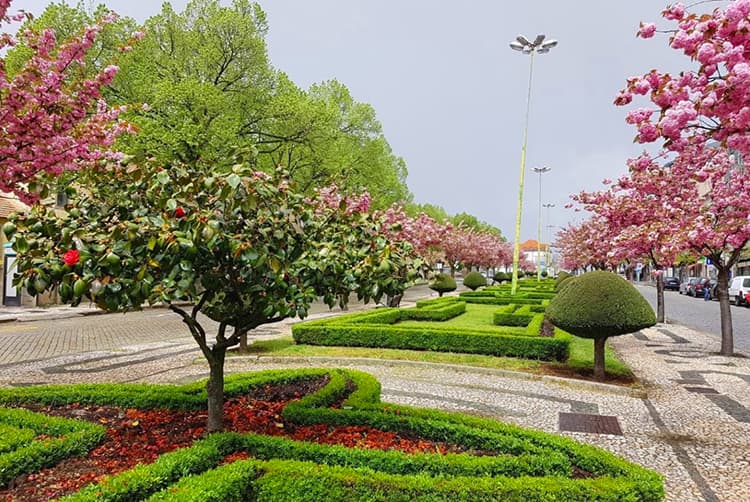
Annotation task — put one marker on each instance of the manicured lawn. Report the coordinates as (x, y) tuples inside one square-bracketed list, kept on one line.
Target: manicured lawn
[(476, 316), (579, 365)]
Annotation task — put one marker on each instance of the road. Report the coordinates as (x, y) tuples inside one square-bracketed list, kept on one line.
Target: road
[(702, 316)]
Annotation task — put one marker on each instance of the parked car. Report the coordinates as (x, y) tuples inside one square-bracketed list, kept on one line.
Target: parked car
[(672, 283), (688, 285), (738, 289), (699, 288)]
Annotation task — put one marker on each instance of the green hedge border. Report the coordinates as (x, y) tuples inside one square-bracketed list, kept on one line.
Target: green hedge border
[(377, 328), (67, 438), (529, 465)]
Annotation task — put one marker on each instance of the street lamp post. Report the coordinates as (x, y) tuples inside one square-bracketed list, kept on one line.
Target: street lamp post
[(522, 44), (540, 171), (549, 237)]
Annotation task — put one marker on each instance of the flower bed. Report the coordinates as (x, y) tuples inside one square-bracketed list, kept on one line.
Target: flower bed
[(450, 456)]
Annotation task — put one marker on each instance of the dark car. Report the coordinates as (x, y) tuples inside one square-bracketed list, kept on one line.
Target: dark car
[(688, 284), (698, 289), (672, 283)]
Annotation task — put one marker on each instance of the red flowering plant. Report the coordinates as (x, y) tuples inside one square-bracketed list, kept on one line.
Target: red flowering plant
[(249, 251), (71, 257)]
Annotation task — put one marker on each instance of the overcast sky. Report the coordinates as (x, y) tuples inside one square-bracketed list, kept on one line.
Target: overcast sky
[(451, 94)]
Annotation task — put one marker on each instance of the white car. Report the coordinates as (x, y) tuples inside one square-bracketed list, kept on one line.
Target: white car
[(738, 289)]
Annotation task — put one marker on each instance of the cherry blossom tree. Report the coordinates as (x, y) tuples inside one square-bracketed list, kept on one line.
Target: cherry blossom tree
[(51, 119), (700, 114), (585, 245), (636, 218), (467, 247)]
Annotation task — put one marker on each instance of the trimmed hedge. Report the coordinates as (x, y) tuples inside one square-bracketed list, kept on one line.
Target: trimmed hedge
[(434, 312), (430, 338), (525, 464), (513, 315), (67, 438)]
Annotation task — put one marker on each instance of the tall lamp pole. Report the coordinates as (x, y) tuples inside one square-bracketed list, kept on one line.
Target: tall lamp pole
[(540, 171), (549, 237), (522, 44)]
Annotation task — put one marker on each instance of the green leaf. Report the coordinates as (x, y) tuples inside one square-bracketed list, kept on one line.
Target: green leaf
[(234, 180), (162, 177)]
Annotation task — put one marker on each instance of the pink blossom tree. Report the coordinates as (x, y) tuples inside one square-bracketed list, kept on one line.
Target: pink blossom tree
[(585, 246), (636, 218), (52, 120), (699, 114)]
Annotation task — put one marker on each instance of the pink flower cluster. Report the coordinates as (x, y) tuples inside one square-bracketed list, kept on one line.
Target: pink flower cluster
[(52, 121), (711, 103)]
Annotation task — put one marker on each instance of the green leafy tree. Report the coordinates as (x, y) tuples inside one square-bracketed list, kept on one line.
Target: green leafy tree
[(437, 213), (207, 88), (244, 247)]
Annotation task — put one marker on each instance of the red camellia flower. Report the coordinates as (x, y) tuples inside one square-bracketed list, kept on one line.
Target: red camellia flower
[(71, 257), (179, 212)]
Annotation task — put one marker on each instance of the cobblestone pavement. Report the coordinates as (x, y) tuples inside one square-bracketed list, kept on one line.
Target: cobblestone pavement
[(690, 420)]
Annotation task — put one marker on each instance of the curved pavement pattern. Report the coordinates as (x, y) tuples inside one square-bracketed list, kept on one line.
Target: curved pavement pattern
[(689, 421)]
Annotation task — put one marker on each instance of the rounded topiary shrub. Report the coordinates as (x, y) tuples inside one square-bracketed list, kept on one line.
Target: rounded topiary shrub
[(561, 278), (500, 277), (599, 305), (474, 280), (443, 283)]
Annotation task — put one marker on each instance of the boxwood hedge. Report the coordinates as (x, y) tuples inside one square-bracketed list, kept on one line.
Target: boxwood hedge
[(59, 438), (517, 464), (379, 328)]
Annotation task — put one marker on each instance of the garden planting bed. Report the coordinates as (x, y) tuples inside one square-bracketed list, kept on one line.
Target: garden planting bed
[(395, 328), (293, 435)]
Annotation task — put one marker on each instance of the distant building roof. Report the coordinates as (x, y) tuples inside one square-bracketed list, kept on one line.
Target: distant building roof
[(9, 203), (531, 246)]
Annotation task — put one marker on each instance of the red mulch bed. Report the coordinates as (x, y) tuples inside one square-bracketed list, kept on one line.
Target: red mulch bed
[(140, 436)]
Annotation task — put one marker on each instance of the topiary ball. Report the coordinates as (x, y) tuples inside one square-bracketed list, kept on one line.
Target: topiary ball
[(599, 305), (500, 277), (561, 278), (474, 280), (443, 283)]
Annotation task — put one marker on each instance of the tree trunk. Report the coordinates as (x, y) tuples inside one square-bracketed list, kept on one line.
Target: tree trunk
[(215, 390), (395, 300), (599, 372), (659, 297), (722, 290), (344, 301), (243, 343)]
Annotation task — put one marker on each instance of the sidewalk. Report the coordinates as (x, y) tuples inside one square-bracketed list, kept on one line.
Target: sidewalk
[(26, 314)]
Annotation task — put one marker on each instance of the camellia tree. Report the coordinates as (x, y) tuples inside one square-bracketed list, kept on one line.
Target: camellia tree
[(244, 247), (401, 263), (53, 120)]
